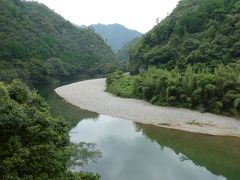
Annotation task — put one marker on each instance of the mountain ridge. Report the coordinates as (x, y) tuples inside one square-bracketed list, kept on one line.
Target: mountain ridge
[(196, 32), (191, 59), (45, 48), (115, 35)]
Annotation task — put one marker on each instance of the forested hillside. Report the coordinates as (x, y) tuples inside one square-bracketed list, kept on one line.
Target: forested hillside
[(123, 53), (115, 35), (199, 32), (195, 52), (40, 47)]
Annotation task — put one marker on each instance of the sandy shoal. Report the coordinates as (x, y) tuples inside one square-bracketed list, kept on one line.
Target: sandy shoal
[(90, 95)]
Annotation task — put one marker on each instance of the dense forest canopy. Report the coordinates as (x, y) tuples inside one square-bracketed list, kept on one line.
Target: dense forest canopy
[(33, 143), (195, 52), (217, 92), (199, 32), (40, 47)]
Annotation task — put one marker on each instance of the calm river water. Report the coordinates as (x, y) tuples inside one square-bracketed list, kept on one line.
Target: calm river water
[(133, 151)]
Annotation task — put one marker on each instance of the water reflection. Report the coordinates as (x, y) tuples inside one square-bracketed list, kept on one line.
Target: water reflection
[(59, 107), (135, 151), (220, 155)]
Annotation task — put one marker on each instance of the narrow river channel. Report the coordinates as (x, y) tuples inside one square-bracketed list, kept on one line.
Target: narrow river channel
[(145, 152)]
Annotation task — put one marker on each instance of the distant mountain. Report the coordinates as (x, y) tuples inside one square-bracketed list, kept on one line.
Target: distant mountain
[(115, 35)]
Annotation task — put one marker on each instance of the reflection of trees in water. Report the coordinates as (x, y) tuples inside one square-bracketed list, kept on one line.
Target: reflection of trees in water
[(220, 155), (60, 107)]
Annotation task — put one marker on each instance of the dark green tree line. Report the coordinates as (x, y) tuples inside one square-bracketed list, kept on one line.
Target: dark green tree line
[(204, 32), (40, 47), (217, 92), (33, 143)]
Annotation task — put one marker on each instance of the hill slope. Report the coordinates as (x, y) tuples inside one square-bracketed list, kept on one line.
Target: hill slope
[(123, 53), (40, 46), (196, 32), (115, 35), (196, 54)]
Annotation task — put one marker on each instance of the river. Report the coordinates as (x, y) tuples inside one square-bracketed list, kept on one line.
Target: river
[(145, 152)]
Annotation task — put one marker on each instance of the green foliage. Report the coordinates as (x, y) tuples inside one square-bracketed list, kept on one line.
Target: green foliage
[(120, 84), (201, 39), (18, 91), (217, 92), (84, 176), (123, 53), (33, 143), (3, 92), (237, 104), (40, 47), (205, 32), (83, 153)]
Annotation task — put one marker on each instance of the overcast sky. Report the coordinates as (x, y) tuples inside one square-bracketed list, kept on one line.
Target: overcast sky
[(140, 15)]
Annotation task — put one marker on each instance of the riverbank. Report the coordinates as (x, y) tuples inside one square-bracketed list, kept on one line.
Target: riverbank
[(90, 95)]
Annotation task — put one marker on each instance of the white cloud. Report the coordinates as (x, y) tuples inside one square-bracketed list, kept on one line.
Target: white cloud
[(135, 14)]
